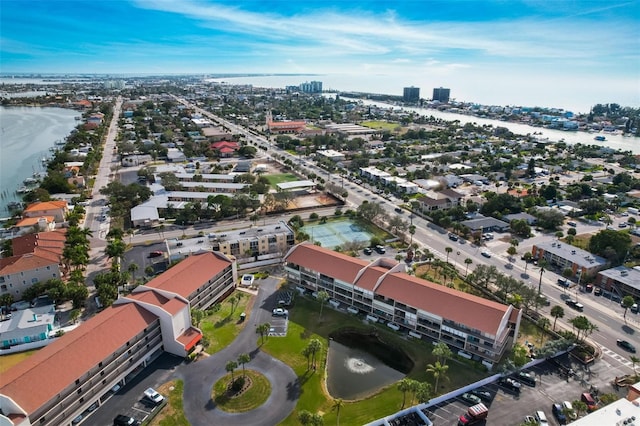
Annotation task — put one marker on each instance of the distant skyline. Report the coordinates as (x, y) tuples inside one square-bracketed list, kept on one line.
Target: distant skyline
[(569, 54)]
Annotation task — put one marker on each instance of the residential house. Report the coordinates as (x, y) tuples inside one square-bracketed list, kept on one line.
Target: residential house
[(441, 200), (486, 224), (225, 148), (482, 329), (57, 209), (29, 325)]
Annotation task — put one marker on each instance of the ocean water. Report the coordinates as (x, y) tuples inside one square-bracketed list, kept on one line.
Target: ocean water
[(26, 134)]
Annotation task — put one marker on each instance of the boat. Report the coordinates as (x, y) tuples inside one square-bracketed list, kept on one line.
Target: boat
[(30, 181), (600, 138), (23, 190), (14, 205)]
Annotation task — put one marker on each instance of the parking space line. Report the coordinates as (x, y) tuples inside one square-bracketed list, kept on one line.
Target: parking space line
[(141, 410)]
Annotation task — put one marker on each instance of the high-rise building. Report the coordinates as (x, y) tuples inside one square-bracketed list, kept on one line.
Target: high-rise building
[(441, 94), (311, 87), (411, 94)]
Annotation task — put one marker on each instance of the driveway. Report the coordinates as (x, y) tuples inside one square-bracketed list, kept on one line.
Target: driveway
[(199, 377)]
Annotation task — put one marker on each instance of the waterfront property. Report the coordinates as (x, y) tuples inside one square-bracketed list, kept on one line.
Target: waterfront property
[(382, 290), (79, 369)]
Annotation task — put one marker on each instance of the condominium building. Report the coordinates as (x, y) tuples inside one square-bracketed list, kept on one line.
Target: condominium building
[(441, 94), (563, 256), (475, 327), (411, 94), (79, 369)]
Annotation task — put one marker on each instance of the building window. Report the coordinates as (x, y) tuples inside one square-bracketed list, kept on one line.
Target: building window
[(34, 280), (48, 268), (3, 287), (77, 381)]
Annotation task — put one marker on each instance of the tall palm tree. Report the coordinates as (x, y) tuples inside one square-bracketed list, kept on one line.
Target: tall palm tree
[(315, 346), (231, 367), (132, 268), (404, 386), (322, 297), (467, 262), (336, 406), (242, 360), (448, 250), (634, 360), (557, 312), (437, 370), (542, 264)]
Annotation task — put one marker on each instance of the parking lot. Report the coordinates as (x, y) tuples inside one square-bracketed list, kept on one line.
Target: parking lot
[(279, 313), (507, 408)]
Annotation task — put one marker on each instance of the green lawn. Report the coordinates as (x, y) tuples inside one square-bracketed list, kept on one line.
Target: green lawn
[(282, 177), (382, 125), (304, 325), (173, 413), (252, 398), (221, 328)]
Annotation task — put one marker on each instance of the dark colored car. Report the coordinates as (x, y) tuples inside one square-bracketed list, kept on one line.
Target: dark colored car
[(122, 420), (557, 410), (626, 346), (510, 384), (367, 250), (156, 254), (526, 378), (380, 249), (453, 237)]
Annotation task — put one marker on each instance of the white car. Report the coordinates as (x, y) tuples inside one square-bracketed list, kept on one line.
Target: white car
[(280, 312), (153, 396), (247, 280)]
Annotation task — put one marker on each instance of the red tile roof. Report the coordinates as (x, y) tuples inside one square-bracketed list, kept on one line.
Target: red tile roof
[(26, 262), (463, 308), (46, 205), (48, 372), (190, 338), (52, 241), (225, 144), (190, 274), (171, 305), (32, 221), (326, 261)]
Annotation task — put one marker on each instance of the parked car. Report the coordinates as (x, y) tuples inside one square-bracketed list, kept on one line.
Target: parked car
[(510, 384), (77, 420), (541, 418), (122, 420), (380, 249), (486, 254), (453, 237), (280, 312), (568, 409), (558, 413), (587, 398), (153, 396), (156, 253), (483, 395), (367, 251), (626, 346), (471, 398), (526, 378)]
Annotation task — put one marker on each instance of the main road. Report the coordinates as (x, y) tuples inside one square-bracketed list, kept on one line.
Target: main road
[(605, 314)]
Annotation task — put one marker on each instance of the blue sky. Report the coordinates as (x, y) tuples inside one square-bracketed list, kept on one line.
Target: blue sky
[(579, 45)]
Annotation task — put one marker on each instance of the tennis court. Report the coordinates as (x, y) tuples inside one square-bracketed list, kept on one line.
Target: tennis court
[(334, 234)]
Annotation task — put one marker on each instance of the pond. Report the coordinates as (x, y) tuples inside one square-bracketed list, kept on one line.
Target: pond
[(359, 365)]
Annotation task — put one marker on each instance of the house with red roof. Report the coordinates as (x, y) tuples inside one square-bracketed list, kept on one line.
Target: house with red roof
[(36, 258), (225, 148), (478, 328), (57, 209), (79, 369)]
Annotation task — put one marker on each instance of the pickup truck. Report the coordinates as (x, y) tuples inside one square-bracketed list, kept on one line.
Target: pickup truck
[(473, 415)]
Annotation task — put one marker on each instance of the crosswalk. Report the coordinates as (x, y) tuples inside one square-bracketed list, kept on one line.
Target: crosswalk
[(621, 359)]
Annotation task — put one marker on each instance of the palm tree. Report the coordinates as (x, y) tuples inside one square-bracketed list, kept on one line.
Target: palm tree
[(404, 386), (541, 264), (634, 360), (543, 323), (627, 302), (557, 312), (242, 360), (115, 249), (437, 370), (527, 258), (442, 352), (467, 262), (448, 250), (263, 330), (231, 367), (336, 406), (322, 297), (304, 417), (306, 352), (314, 346), (132, 268)]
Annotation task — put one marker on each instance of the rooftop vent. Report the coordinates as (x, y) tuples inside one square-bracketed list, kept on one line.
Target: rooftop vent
[(573, 252)]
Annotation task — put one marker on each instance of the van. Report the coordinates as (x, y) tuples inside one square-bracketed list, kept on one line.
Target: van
[(573, 224), (587, 398), (634, 308)]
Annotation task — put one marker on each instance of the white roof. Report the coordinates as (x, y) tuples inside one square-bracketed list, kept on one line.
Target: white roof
[(296, 184), (613, 414)]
